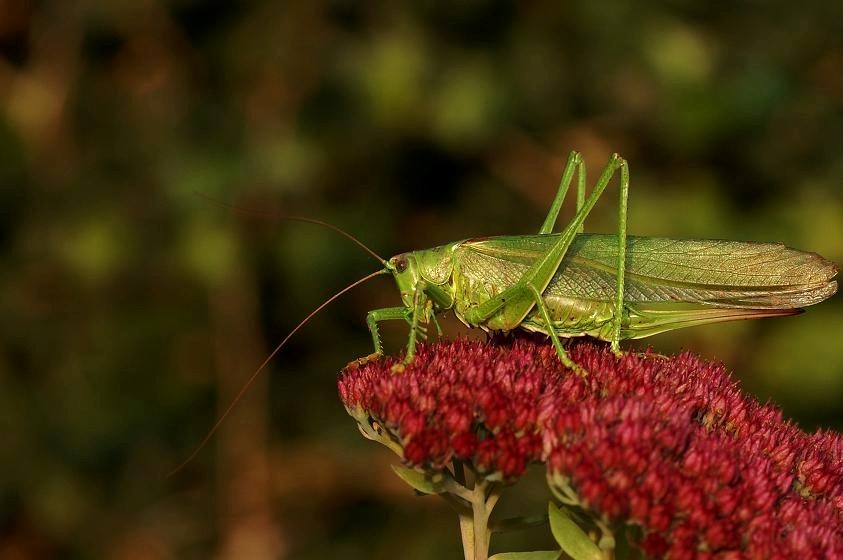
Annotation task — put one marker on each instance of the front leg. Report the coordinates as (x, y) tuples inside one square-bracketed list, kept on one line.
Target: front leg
[(418, 310), (386, 314), (412, 315)]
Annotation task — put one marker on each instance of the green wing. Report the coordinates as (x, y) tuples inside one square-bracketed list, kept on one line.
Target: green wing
[(669, 283), (717, 272)]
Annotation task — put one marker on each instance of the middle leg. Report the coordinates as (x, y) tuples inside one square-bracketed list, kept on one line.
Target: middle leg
[(557, 344)]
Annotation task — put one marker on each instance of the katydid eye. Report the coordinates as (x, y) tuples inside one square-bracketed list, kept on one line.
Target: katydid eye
[(401, 264)]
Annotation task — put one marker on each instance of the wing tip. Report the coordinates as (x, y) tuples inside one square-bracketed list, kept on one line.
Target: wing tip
[(824, 292), (827, 269), (832, 289)]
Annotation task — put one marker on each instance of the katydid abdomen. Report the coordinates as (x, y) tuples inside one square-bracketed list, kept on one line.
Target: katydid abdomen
[(670, 283)]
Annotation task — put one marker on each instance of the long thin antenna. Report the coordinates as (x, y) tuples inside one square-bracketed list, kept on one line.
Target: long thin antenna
[(294, 219), (257, 372)]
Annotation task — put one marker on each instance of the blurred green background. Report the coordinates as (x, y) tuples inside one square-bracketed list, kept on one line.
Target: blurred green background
[(133, 309)]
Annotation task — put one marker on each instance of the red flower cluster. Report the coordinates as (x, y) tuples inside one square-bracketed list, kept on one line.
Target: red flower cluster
[(667, 444), (671, 445), (461, 400)]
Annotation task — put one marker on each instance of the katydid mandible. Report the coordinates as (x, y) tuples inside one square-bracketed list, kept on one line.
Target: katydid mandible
[(612, 287), (567, 284)]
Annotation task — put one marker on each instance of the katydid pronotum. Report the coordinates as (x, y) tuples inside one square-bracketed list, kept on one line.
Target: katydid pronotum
[(567, 284)]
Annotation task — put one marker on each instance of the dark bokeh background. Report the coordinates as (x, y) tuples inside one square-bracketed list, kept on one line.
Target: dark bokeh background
[(132, 309)]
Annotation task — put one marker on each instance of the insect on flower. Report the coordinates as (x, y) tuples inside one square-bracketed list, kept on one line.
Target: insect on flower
[(569, 283), (612, 287)]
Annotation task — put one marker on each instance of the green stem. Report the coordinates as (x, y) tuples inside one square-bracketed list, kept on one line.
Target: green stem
[(467, 534), (607, 540), (481, 520), (474, 502)]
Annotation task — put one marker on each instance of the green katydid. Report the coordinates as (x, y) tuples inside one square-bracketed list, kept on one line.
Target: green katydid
[(567, 284), (611, 287)]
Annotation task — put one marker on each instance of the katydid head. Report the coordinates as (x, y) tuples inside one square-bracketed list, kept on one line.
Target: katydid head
[(429, 270), (403, 268)]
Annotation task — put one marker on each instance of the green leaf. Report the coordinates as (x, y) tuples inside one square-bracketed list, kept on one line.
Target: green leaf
[(517, 523), (571, 538), (537, 555), (418, 480)]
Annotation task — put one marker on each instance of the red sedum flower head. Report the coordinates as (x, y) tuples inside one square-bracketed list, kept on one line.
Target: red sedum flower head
[(665, 444), (463, 400)]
